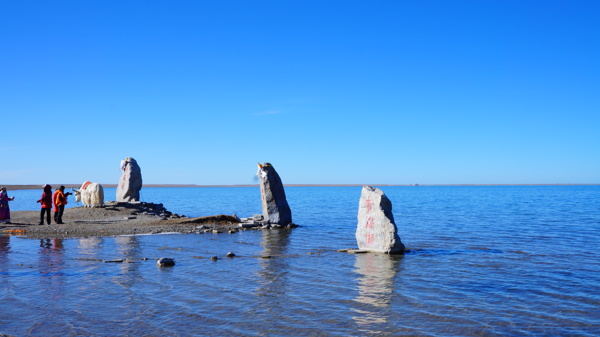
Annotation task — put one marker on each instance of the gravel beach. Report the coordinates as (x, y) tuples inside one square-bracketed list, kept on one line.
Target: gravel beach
[(114, 220)]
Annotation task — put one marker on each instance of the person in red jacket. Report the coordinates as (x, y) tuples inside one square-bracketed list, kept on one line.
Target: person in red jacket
[(46, 201), (60, 200)]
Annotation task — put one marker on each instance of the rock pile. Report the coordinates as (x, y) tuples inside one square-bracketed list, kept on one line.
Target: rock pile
[(145, 208), (258, 221)]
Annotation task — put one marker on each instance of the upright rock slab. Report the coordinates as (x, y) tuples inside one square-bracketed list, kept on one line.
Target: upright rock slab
[(274, 203), (376, 230), (131, 181)]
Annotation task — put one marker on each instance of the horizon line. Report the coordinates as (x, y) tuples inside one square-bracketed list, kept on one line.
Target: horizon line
[(36, 186)]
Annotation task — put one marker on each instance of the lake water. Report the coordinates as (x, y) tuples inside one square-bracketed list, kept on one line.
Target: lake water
[(483, 261)]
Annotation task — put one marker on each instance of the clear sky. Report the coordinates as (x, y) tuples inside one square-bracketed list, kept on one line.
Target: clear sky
[(358, 92)]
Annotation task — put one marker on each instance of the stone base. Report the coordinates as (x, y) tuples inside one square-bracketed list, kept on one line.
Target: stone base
[(356, 251)]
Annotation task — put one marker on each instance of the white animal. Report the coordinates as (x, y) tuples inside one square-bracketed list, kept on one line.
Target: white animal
[(90, 194)]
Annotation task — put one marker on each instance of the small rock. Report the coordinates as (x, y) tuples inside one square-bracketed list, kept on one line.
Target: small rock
[(214, 258), (356, 251), (165, 262), (230, 254)]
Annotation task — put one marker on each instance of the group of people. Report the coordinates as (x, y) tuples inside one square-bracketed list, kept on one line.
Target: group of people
[(58, 199)]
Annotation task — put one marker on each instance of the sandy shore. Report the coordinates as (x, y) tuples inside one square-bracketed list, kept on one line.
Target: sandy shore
[(114, 220)]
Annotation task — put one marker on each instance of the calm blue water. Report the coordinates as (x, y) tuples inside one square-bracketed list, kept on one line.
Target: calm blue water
[(484, 261)]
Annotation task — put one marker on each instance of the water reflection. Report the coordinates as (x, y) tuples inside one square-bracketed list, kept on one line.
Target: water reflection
[(274, 281), (129, 249), (4, 267), (4, 250), (50, 265), (90, 246), (4, 246), (375, 290)]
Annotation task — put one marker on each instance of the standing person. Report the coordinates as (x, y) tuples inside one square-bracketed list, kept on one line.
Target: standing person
[(4, 208), (60, 200), (46, 202)]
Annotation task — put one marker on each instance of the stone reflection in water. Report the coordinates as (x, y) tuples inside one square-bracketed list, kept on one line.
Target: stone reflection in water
[(129, 250), (90, 246), (375, 289), (274, 270)]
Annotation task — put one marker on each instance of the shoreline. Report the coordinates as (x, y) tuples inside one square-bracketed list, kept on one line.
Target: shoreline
[(39, 186), (116, 220)]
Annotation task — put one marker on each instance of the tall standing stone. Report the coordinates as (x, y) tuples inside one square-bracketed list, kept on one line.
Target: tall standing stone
[(376, 230), (274, 203), (131, 181)]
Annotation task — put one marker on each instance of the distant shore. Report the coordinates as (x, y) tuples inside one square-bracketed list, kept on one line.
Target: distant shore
[(39, 186)]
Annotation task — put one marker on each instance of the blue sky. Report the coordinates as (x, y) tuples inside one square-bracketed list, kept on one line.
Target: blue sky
[(357, 92)]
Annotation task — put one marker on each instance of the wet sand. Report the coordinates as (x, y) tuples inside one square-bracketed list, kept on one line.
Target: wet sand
[(114, 220)]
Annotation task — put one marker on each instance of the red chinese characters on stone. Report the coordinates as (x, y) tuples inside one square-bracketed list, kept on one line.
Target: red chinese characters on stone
[(368, 202), (369, 237), (123, 180)]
